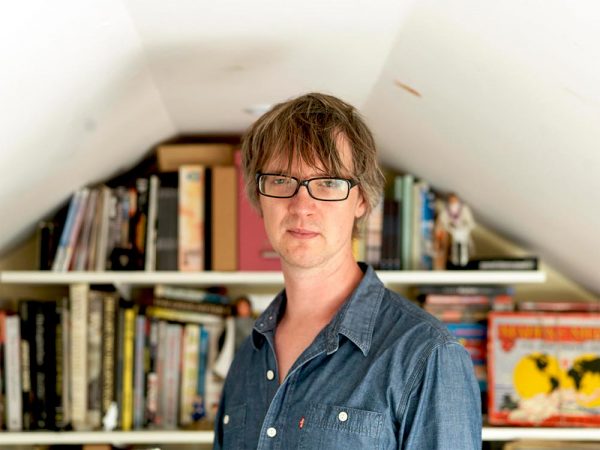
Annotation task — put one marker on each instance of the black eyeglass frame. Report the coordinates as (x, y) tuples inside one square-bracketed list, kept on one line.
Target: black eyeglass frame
[(300, 183)]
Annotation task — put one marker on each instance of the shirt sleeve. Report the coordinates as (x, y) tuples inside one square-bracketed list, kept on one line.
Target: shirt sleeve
[(444, 409)]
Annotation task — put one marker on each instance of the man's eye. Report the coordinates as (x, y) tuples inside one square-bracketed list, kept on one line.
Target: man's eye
[(280, 181), (330, 184)]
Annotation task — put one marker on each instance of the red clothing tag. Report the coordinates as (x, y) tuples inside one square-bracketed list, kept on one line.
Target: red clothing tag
[(301, 423)]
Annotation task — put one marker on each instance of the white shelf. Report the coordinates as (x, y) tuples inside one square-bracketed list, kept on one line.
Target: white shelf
[(206, 437), (141, 278), (545, 434), (100, 437)]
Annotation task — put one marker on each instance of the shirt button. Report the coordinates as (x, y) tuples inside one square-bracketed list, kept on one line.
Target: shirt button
[(343, 416), (270, 375), (226, 419), (271, 432)]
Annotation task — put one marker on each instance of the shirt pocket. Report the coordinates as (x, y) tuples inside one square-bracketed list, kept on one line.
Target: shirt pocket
[(331, 426), (234, 425)]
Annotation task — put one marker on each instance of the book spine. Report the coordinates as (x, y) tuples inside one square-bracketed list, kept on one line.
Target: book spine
[(167, 238), (172, 375), (109, 319), (224, 234), (191, 218), (161, 358), (12, 358), (407, 220), (76, 230), (66, 367), (200, 405), (150, 255), (94, 360), (58, 411), (128, 347), (139, 224), (79, 335), (189, 372), (103, 231), (197, 307), (40, 366), (83, 246), (182, 316), (151, 374), (138, 383), (61, 251), (27, 328)]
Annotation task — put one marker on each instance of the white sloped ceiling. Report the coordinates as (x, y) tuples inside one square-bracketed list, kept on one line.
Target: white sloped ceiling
[(498, 101)]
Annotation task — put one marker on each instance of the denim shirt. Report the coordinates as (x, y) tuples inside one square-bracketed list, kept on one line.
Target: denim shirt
[(383, 374)]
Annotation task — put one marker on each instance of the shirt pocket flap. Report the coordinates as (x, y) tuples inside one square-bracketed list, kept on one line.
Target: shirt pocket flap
[(234, 417), (342, 418)]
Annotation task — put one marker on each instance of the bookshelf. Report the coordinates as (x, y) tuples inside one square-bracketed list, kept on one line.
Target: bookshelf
[(256, 280)]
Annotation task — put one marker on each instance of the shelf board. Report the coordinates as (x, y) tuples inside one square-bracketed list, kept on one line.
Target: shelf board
[(105, 437), (142, 278), (206, 437), (545, 434)]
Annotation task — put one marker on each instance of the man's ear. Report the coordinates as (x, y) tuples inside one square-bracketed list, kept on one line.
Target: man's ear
[(361, 205)]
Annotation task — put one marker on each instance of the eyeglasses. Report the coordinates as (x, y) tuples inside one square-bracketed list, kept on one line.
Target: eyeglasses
[(328, 189)]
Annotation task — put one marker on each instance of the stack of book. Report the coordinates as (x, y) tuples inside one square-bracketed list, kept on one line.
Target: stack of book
[(189, 216), (93, 361)]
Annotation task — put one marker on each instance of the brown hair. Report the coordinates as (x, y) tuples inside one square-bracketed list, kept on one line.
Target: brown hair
[(307, 129)]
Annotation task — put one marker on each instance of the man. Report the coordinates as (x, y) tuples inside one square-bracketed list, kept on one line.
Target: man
[(336, 361)]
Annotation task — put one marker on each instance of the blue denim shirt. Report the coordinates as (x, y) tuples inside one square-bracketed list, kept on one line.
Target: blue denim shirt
[(383, 374)]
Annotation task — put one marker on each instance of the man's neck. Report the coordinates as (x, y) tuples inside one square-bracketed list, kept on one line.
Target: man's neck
[(316, 295)]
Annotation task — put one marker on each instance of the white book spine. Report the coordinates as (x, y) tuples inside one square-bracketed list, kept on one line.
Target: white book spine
[(150, 261), (79, 381), (12, 357)]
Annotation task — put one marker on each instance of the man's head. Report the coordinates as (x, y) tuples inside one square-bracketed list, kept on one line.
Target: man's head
[(308, 130)]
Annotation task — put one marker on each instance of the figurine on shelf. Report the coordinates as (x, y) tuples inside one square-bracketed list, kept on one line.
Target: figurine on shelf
[(453, 229)]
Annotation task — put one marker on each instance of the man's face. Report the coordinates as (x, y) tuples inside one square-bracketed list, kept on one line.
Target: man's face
[(309, 233)]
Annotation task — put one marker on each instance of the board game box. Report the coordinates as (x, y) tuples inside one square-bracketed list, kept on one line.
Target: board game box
[(544, 369)]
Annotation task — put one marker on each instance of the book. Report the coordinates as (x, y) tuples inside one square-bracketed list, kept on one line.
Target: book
[(65, 325), (224, 218), (78, 355), (190, 354), (58, 409), (175, 315), (139, 224), (28, 379), (374, 234), (191, 218), (68, 233), (80, 256), (503, 263), (139, 369), (128, 362), (188, 294), (75, 231), (407, 221), (217, 309), (254, 249), (171, 157), (109, 352), (172, 373), (12, 358), (102, 238), (558, 306), (167, 223), (94, 359), (151, 230)]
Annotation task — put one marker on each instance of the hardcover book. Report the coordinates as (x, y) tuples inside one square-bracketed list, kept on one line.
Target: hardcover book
[(254, 249)]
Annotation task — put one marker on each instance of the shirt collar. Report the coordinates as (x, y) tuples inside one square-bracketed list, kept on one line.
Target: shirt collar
[(355, 319)]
